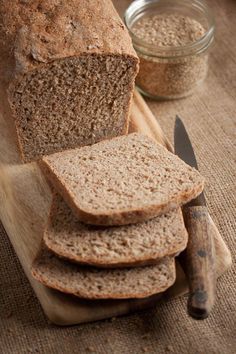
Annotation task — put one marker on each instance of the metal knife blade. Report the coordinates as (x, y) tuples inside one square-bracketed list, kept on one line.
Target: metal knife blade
[(198, 259), (184, 149)]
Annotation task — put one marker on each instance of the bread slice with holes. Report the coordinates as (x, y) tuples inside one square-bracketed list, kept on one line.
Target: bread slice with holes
[(122, 181), (116, 246), (92, 283)]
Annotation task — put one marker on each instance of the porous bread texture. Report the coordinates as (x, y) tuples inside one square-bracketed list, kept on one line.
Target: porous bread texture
[(73, 102), (129, 245), (121, 181), (92, 283), (74, 73)]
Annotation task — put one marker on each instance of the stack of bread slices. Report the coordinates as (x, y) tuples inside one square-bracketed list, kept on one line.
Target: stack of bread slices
[(115, 224)]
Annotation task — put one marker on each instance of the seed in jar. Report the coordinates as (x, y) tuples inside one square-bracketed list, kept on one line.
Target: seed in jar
[(172, 76), (168, 30)]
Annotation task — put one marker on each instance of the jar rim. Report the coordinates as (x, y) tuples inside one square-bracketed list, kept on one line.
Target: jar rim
[(196, 47)]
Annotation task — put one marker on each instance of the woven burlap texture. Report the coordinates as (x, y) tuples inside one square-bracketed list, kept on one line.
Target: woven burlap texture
[(210, 117)]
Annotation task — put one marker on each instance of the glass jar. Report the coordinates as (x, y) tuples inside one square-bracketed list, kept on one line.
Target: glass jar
[(170, 71)]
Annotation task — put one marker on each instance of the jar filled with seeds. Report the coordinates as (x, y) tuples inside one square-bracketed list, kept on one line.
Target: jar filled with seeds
[(172, 39)]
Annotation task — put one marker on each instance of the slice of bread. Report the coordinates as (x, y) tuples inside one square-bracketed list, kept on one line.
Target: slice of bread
[(92, 283), (128, 245), (122, 181)]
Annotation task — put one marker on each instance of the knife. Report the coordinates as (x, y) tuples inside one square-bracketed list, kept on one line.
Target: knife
[(198, 260)]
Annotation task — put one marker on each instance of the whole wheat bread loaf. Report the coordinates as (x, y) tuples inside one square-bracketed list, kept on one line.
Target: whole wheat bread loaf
[(70, 68), (120, 181), (128, 245), (95, 283)]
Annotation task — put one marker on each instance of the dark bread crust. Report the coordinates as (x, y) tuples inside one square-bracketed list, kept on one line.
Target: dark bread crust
[(93, 263), (45, 261), (123, 217), (127, 217), (41, 32), (35, 34)]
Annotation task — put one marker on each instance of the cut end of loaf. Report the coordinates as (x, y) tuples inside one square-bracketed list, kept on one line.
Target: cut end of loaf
[(92, 283), (72, 102)]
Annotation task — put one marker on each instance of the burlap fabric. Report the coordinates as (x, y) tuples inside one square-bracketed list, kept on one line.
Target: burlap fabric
[(210, 117)]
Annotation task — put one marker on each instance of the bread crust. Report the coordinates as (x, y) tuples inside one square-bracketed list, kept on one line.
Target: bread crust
[(124, 217), (43, 31), (115, 296), (54, 284), (131, 263), (143, 259), (35, 34)]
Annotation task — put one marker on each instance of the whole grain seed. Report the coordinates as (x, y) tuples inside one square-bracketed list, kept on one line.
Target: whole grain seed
[(176, 75), (168, 30)]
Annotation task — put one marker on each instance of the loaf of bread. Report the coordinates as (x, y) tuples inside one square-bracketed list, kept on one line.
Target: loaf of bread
[(70, 68), (129, 245), (92, 283), (121, 181)]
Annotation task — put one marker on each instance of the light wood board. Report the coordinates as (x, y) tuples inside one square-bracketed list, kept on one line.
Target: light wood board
[(24, 203)]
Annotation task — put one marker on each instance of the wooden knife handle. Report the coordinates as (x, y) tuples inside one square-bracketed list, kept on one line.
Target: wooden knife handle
[(200, 261)]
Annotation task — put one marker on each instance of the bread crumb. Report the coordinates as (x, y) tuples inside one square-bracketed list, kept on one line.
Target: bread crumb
[(169, 348), (91, 349), (113, 319), (145, 336), (145, 349)]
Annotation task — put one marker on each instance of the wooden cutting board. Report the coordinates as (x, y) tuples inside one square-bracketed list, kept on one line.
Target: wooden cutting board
[(24, 203)]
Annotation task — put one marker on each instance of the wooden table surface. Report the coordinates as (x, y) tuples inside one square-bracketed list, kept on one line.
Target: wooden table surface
[(210, 117)]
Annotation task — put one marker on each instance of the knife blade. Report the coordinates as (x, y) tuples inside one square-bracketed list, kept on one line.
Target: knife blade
[(198, 260), (183, 148)]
